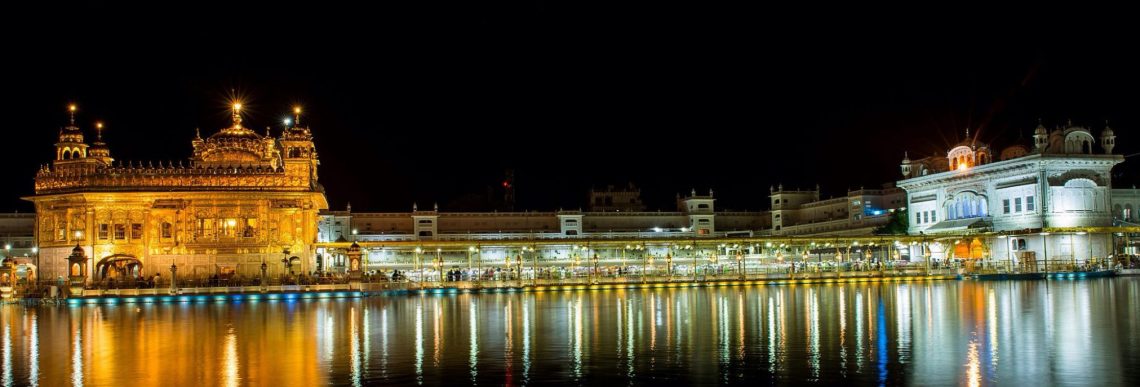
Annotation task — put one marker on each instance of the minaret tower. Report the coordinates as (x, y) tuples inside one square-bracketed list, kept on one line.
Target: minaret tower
[(299, 154), (1040, 137), (99, 150), (1107, 139), (70, 145)]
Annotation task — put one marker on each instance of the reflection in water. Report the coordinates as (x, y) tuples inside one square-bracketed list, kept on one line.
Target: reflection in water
[(353, 348), (842, 332), (813, 334), (526, 323), (902, 322), (859, 332), (384, 343), (34, 352), (771, 335), (473, 332), (77, 356), (973, 374), (968, 332), (230, 359), (420, 341), (7, 347)]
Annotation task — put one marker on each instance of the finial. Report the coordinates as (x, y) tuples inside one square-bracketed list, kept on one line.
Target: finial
[(906, 156), (435, 207), (1070, 121), (415, 207), (99, 131), (198, 133), (297, 115), (71, 110), (266, 131), (237, 114), (967, 132)]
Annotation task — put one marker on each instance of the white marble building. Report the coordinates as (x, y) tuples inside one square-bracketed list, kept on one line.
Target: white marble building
[(1064, 181)]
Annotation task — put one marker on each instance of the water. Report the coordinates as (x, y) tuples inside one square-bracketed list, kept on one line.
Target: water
[(937, 333)]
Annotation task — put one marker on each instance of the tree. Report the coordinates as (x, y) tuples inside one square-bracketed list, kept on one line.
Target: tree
[(897, 225)]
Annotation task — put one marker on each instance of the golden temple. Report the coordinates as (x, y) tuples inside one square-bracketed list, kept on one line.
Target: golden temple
[(243, 199)]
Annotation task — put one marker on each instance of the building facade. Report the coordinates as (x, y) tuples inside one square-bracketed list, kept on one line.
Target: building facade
[(1065, 180), (242, 199), (861, 212)]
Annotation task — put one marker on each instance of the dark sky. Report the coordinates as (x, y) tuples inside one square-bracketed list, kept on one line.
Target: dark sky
[(435, 104)]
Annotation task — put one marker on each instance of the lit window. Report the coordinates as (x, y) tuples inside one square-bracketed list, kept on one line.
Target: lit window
[(104, 231), (120, 231), (136, 230), (250, 229)]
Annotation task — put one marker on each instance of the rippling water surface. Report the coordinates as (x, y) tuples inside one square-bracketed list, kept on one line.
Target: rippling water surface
[(938, 333)]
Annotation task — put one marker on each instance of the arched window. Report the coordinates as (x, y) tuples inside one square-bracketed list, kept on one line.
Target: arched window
[(66, 154), (966, 205)]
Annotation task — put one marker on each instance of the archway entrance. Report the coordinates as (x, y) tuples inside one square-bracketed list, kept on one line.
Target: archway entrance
[(118, 266)]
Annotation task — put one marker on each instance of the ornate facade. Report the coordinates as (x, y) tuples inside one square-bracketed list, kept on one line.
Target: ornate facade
[(1065, 181), (242, 199)]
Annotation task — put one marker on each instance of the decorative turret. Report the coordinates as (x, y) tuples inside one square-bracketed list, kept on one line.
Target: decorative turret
[(77, 270), (71, 145), (1040, 137), (99, 150), (354, 268), (905, 165), (1107, 139), (299, 152)]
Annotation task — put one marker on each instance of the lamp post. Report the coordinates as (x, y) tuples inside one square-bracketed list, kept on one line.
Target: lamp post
[(173, 277), (264, 278), (288, 265)]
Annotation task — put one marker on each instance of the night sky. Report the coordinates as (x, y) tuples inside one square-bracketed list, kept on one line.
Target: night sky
[(436, 104)]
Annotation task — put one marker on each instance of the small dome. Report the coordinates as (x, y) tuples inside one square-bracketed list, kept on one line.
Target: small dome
[(1107, 131), (1040, 130), (1013, 151), (77, 249)]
